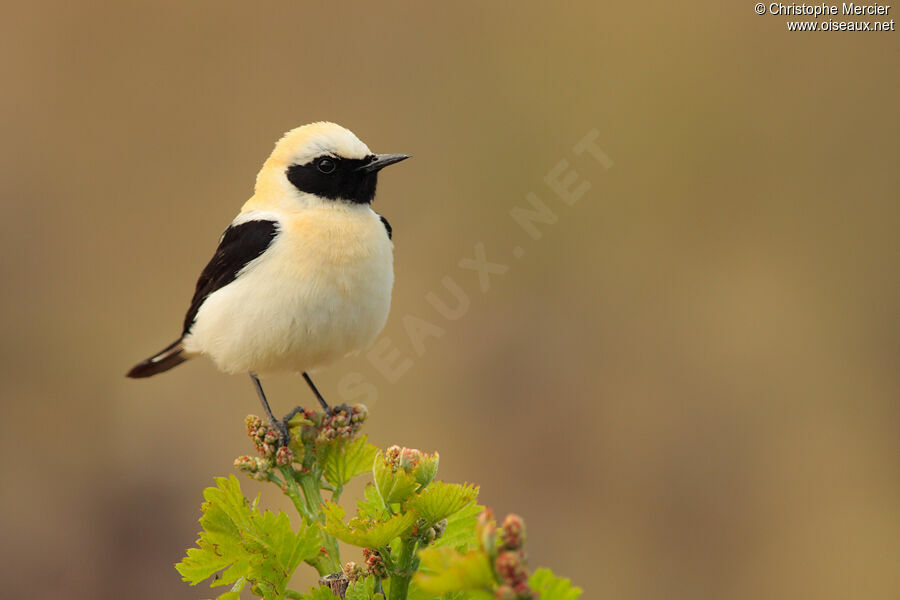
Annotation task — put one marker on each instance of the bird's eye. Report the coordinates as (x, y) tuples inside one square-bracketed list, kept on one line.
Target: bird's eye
[(326, 165)]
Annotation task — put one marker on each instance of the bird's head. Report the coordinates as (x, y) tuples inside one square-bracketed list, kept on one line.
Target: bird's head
[(322, 162)]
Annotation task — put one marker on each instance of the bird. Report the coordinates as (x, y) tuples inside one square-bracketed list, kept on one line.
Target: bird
[(302, 276)]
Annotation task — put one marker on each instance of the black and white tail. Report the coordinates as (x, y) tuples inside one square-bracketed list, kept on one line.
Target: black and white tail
[(171, 356)]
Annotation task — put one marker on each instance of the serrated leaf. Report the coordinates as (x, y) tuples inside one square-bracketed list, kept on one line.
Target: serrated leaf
[(219, 545), (362, 589), (320, 593), (371, 506), (440, 500), (427, 468), (393, 486), (235, 592), (460, 533), (345, 460), (251, 547), (367, 534), (551, 587), (280, 551), (417, 593), (444, 570)]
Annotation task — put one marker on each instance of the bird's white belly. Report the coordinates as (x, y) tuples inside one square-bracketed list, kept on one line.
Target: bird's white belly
[(321, 291)]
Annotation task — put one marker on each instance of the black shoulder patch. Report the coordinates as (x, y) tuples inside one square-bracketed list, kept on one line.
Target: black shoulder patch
[(387, 226), (239, 245)]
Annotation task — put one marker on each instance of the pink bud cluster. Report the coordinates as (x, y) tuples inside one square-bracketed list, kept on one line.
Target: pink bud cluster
[(254, 466), (375, 563), (506, 544), (265, 438), (340, 422), (353, 571), (408, 459), (512, 532)]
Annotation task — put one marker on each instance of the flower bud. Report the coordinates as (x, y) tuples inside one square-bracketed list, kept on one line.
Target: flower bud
[(253, 422), (392, 457), (426, 468), (375, 563), (394, 476), (505, 592), (245, 464), (486, 530), (409, 459), (512, 532), (284, 456), (510, 567), (523, 592), (360, 413), (353, 571)]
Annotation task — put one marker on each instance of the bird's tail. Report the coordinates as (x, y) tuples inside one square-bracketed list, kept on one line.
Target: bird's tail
[(167, 358)]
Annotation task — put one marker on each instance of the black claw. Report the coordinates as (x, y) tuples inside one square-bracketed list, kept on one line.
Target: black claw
[(283, 424), (339, 408), (284, 431), (293, 413)]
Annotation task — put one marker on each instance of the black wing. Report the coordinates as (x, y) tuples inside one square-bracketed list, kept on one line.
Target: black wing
[(239, 245), (387, 226)]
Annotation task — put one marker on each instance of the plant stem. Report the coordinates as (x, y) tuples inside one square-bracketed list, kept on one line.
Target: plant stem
[(294, 494), (405, 569), (328, 563)]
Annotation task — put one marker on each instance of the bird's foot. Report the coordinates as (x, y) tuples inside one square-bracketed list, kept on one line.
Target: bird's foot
[(336, 410), (283, 424), (283, 431)]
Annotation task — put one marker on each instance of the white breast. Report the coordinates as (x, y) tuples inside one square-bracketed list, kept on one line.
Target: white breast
[(322, 290)]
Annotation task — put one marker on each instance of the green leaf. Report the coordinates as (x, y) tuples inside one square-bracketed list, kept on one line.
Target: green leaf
[(440, 500), (460, 533), (444, 570), (362, 589), (261, 549), (393, 486), (371, 507), (417, 593), (366, 534), (235, 592), (320, 593), (344, 461), (280, 551), (427, 468), (219, 544), (551, 587)]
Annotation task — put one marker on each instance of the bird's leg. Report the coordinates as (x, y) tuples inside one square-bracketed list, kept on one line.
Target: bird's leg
[(316, 392), (280, 425)]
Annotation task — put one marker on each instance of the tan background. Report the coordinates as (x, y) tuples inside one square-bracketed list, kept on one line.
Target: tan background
[(688, 386)]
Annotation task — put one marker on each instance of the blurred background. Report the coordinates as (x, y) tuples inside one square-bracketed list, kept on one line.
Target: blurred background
[(688, 385)]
